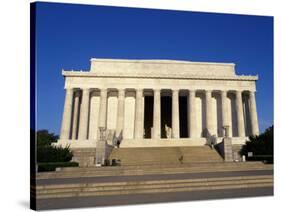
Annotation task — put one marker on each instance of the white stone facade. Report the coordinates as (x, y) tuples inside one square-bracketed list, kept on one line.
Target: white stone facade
[(141, 99)]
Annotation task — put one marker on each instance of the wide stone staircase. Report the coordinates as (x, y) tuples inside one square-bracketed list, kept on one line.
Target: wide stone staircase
[(151, 186), (165, 155), (152, 175), (160, 169)]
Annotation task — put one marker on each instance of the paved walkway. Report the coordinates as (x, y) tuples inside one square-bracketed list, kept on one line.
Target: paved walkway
[(100, 179), (98, 201)]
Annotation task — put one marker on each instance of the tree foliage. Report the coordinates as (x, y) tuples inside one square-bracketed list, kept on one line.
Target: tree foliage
[(45, 138), (261, 146), (46, 152), (50, 153)]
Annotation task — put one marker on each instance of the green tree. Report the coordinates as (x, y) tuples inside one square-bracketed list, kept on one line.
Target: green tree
[(46, 152), (45, 138), (261, 146)]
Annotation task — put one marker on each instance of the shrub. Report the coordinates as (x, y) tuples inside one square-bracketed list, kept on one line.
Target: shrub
[(261, 146), (45, 167), (50, 153)]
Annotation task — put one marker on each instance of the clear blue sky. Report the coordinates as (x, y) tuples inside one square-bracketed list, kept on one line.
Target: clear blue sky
[(68, 35)]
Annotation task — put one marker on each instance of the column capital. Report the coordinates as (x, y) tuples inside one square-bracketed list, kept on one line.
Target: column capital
[(103, 90), (77, 93), (208, 92), (192, 92), (252, 93), (139, 89), (223, 92), (157, 89), (68, 90), (139, 92), (86, 90), (121, 92)]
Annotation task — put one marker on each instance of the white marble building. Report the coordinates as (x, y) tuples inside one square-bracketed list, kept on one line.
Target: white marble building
[(158, 103)]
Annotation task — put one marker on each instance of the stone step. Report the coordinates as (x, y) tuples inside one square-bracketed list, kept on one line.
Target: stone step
[(164, 155), (153, 186), (181, 166), (145, 170)]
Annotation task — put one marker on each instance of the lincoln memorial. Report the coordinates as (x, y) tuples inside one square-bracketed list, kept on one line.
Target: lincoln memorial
[(153, 103)]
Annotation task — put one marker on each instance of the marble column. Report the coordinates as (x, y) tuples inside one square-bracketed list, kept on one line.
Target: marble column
[(253, 114), (175, 114), (84, 115), (224, 108), (157, 114), (75, 115), (225, 112), (103, 108), (239, 114), (120, 112), (209, 114), (139, 114), (66, 118), (192, 122)]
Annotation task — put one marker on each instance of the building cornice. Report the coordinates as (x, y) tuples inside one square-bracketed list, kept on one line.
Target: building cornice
[(154, 76)]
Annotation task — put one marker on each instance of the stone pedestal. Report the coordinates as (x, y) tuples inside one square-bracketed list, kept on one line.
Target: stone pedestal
[(228, 154), (100, 153)]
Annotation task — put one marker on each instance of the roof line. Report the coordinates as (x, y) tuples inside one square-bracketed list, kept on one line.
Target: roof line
[(159, 61)]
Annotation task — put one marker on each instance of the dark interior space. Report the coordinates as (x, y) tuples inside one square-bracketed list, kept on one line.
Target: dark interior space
[(183, 116), (166, 114), (148, 116)]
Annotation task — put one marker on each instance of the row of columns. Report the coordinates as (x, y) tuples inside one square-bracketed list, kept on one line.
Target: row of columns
[(138, 128)]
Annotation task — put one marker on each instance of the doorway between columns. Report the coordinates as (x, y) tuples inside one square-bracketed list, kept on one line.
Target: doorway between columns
[(183, 116), (148, 116), (166, 115)]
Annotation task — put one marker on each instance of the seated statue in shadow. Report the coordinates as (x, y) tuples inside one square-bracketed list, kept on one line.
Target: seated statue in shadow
[(168, 131)]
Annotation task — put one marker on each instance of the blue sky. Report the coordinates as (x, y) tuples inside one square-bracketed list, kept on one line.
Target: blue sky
[(68, 35)]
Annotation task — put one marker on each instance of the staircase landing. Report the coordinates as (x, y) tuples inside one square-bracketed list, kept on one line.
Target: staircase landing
[(165, 155)]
